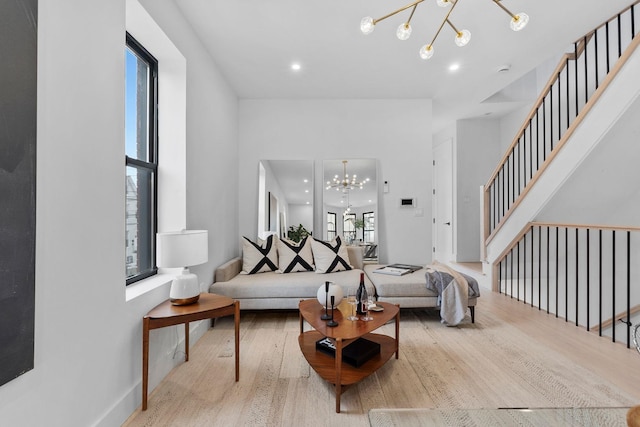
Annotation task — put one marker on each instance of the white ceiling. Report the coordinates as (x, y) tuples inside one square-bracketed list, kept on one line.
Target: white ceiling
[(254, 43)]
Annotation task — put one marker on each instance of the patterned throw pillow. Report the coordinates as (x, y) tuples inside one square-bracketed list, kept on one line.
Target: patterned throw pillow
[(259, 257), (294, 256), (330, 256)]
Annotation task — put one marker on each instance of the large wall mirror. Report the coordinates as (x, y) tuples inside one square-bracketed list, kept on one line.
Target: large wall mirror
[(350, 203), (285, 198)]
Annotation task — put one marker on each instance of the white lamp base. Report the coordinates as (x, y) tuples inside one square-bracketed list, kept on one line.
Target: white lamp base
[(184, 289)]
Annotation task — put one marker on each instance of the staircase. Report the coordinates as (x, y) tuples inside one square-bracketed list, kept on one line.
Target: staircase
[(573, 170)]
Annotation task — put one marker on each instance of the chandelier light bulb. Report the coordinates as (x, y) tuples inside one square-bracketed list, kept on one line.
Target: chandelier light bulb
[(366, 25), (426, 51), (519, 21), (462, 38), (404, 31), (443, 3)]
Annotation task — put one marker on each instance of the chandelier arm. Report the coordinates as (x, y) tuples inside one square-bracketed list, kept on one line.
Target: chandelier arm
[(411, 16), (452, 26), (505, 9), (446, 19), (414, 4)]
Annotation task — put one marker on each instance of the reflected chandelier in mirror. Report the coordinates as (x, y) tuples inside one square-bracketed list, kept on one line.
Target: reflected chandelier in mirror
[(350, 201)]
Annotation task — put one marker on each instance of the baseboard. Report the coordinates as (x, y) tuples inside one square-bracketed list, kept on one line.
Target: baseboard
[(132, 398)]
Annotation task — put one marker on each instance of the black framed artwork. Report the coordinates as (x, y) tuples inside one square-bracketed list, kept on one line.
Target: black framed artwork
[(18, 86)]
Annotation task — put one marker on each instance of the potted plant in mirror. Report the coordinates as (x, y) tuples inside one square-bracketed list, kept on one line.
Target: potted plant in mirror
[(296, 234), (358, 224)]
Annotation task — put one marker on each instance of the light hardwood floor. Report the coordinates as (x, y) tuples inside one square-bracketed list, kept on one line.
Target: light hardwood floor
[(513, 356)]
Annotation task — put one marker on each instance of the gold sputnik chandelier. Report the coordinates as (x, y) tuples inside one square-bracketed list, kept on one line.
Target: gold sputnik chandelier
[(346, 182), (367, 25)]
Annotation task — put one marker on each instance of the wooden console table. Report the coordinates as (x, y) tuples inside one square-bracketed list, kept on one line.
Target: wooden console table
[(208, 306)]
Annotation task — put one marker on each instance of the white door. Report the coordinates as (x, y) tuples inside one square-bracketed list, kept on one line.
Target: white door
[(443, 202)]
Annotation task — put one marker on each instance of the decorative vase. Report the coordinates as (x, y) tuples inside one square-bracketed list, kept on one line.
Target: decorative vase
[(324, 298)]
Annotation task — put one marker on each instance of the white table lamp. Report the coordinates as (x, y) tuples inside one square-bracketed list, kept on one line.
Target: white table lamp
[(183, 249)]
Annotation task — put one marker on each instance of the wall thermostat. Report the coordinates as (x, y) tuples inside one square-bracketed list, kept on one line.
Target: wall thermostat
[(407, 202)]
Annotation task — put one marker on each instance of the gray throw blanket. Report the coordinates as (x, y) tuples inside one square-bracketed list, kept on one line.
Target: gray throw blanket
[(454, 290)]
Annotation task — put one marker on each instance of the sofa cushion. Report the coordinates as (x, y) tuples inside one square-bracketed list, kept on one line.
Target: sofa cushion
[(356, 256), (259, 257), (409, 285), (330, 256), (228, 270), (300, 285), (293, 257)]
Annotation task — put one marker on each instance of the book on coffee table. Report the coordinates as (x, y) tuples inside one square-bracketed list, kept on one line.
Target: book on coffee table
[(397, 269), (355, 354)]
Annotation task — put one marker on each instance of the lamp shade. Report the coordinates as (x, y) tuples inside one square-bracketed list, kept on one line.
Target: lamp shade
[(182, 248)]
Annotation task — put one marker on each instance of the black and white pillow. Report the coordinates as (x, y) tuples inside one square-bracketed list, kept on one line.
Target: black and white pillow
[(330, 256), (294, 256), (259, 257)]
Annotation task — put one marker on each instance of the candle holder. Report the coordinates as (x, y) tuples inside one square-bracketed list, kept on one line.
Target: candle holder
[(332, 323), (326, 316)]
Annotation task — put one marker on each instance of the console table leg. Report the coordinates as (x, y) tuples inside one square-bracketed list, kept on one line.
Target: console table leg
[(145, 361), (186, 341)]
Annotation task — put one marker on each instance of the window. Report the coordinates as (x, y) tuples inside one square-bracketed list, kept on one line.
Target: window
[(141, 160), (331, 225), (369, 230), (349, 227)]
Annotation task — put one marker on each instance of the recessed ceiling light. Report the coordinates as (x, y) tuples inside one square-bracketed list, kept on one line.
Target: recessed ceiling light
[(296, 66), (306, 180), (454, 67), (306, 191)]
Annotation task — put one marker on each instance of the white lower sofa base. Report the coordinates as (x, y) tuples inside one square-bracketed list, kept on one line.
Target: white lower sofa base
[(269, 303), (427, 302)]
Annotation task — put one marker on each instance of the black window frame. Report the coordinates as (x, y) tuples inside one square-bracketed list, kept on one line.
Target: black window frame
[(151, 164), (335, 226), (349, 235), (366, 230)]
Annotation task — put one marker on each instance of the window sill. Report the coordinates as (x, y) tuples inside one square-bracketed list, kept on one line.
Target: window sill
[(147, 285)]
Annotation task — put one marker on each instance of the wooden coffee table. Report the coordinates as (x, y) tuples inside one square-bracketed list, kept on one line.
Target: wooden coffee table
[(331, 368)]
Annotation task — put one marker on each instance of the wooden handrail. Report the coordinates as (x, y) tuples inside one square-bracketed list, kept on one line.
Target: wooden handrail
[(609, 322), (531, 224), (581, 44), (562, 64), (569, 132)]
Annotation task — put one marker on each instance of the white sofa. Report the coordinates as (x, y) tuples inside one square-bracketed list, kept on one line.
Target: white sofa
[(271, 290), (409, 290)]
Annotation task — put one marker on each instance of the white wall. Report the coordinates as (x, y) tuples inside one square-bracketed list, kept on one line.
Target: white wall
[(301, 214), (88, 338), (477, 152), (395, 132)]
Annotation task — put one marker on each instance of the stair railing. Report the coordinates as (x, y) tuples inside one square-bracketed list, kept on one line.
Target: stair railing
[(586, 274), (573, 88)]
